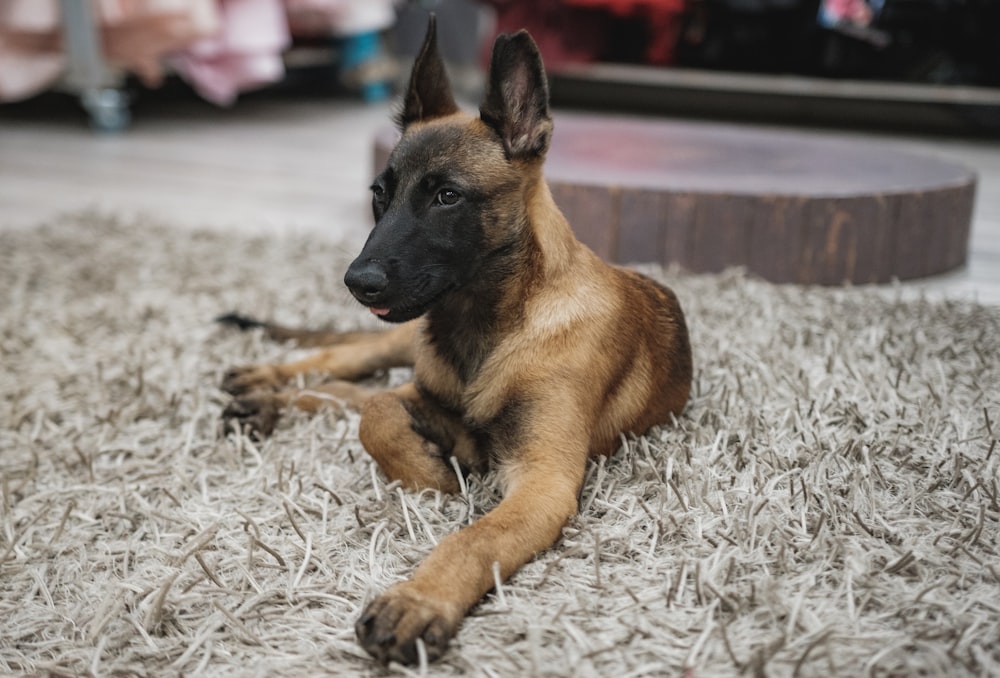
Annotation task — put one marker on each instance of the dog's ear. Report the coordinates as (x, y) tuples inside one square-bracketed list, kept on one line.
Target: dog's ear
[(429, 94), (516, 105)]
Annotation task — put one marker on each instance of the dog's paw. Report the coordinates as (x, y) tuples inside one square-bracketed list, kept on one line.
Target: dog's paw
[(391, 625), (256, 414), (241, 380)]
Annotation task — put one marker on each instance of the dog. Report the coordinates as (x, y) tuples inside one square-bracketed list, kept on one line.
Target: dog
[(529, 353)]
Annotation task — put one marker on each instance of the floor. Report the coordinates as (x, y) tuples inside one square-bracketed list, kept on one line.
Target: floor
[(281, 164)]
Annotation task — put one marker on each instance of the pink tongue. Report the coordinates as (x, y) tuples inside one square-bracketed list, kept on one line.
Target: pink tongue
[(379, 311)]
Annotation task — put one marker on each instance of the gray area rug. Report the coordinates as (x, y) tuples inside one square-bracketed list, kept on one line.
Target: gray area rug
[(827, 505)]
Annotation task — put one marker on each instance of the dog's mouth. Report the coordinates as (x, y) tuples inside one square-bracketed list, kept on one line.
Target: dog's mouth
[(408, 310), (399, 314)]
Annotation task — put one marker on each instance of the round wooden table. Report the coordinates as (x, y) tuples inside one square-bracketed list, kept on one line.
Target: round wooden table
[(789, 206)]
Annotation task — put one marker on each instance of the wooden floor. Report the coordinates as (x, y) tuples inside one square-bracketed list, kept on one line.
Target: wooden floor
[(285, 164)]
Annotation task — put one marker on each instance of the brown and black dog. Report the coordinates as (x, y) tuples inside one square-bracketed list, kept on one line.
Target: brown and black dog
[(529, 353)]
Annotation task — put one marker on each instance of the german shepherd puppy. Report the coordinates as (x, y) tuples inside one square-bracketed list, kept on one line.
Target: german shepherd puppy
[(529, 353)]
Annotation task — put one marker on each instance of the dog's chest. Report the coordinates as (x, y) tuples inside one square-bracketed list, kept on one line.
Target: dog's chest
[(460, 387), (461, 337)]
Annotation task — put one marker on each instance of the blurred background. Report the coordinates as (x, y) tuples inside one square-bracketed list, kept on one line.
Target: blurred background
[(664, 55), (262, 114)]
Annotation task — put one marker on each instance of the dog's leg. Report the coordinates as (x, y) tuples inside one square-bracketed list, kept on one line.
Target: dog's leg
[(543, 484), (412, 440), (363, 355), (258, 412)]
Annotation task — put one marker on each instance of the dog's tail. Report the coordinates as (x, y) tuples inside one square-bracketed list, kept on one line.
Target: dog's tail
[(280, 333), (239, 321)]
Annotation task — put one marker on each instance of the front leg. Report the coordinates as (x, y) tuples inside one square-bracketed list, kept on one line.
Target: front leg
[(258, 412), (412, 440), (360, 356), (543, 485)]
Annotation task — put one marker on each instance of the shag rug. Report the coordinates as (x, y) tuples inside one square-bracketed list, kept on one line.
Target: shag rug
[(827, 504)]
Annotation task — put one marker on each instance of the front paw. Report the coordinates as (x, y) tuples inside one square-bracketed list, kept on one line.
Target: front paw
[(256, 414), (390, 626), (240, 380)]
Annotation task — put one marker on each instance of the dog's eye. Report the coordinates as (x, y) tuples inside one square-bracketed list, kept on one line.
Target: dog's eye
[(446, 196)]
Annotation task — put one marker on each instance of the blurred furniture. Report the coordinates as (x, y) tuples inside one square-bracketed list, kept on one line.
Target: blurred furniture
[(221, 48), (778, 99), (905, 63)]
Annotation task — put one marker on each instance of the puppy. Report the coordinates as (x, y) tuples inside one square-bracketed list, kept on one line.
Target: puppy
[(529, 353)]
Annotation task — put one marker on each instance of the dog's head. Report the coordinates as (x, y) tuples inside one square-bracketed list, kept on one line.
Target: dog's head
[(453, 196)]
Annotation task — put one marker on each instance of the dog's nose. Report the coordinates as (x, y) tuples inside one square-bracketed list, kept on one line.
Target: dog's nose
[(366, 279)]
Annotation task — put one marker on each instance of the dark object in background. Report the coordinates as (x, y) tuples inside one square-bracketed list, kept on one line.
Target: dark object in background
[(929, 41), (460, 29), (585, 31), (918, 41)]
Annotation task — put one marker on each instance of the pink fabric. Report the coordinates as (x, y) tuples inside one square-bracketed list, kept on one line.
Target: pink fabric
[(856, 12), (245, 54), (221, 47), (30, 56), (134, 35)]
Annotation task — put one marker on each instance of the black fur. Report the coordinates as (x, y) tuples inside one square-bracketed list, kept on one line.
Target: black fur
[(241, 322), (498, 438), (464, 327), (423, 246)]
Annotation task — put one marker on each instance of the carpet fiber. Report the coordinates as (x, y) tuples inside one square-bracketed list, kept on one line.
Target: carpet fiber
[(827, 504)]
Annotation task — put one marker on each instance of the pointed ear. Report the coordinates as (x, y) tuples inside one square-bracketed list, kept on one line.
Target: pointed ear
[(429, 94), (516, 105)]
